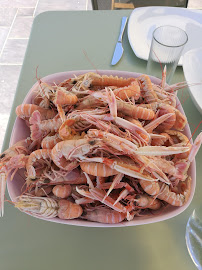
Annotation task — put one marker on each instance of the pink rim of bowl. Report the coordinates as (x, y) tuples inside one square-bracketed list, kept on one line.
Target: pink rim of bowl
[(21, 131)]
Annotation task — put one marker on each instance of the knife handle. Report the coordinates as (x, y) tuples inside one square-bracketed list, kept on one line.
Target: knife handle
[(123, 25)]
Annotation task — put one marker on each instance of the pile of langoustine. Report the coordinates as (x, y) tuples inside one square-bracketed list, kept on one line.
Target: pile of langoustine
[(101, 148)]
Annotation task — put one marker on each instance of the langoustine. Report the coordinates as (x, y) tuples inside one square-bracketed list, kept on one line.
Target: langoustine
[(114, 152)]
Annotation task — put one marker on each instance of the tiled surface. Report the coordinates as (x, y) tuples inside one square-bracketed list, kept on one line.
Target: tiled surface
[(25, 11), (21, 27), (14, 51), (16, 17), (45, 5), (8, 81), (7, 15), (3, 35), (18, 3)]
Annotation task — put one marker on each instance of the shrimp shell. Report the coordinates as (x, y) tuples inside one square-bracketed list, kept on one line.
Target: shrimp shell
[(33, 157), (40, 206), (132, 90), (65, 98), (50, 141), (40, 128), (97, 169), (111, 81), (147, 89), (181, 120), (176, 199), (104, 216), (150, 187), (135, 111), (65, 151), (183, 141), (26, 110), (146, 201), (62, 191), (69, 210)]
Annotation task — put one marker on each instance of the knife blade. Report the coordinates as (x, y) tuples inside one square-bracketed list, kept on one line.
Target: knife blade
[(118, 52)]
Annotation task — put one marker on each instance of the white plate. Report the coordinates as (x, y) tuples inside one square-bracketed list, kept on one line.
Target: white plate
[(143, 21), (192, 66)]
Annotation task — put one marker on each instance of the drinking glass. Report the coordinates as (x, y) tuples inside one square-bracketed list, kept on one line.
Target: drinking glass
[(166, 48), (194, 236)]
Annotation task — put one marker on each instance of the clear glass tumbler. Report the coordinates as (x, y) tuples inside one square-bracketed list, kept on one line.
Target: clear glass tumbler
[(166, 48), (194, 236)]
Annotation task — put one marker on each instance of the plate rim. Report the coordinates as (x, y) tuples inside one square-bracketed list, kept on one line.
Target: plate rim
[(139, 55)]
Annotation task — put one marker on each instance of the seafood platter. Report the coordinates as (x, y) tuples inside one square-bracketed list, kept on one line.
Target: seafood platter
[(100, 149)]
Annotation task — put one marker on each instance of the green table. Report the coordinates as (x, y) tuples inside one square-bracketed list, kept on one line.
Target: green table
[(71, 40)]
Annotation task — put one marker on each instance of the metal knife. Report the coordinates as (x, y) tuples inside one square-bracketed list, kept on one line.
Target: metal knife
[(118, 52)]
